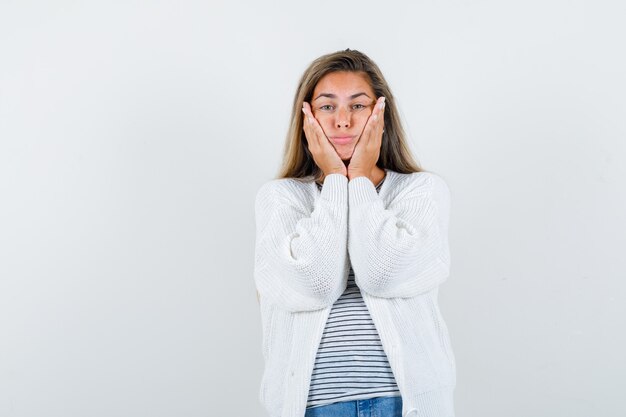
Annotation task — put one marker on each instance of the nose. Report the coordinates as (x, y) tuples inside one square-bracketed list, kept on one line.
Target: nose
[(343, 118)]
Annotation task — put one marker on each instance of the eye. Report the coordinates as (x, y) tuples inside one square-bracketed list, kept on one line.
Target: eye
[(358, 106), (326, 107)]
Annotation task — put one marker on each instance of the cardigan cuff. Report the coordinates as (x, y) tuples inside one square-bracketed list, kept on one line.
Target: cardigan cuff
[(361, 190), (335, 188)]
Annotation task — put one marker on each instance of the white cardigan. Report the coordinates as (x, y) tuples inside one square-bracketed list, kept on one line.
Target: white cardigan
[(397, 243)]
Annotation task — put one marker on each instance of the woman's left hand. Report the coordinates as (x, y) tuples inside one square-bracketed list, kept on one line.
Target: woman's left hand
[(367, 148)]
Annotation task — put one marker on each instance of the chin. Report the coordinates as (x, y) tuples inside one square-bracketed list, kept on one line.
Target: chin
[(346, 155)]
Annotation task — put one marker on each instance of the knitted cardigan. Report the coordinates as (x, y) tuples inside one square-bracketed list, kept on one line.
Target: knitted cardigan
[(397, 243)]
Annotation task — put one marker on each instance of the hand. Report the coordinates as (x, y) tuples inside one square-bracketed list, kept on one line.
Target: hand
[(324, 154), (367, 148)]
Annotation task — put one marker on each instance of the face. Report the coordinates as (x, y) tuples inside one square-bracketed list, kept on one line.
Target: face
[(342, 102)]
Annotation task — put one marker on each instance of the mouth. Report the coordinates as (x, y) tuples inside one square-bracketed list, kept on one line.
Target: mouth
[(341, 140)]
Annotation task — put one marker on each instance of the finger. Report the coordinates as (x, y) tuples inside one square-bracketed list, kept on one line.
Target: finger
[(306, 108), (375, 122), (380, 123), (305, 123), (379, 108), (309, 120), (309, 133), (376, 116), (314, 125)]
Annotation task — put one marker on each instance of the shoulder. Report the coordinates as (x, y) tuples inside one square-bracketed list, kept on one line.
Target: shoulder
[(424, 186), (436, 182), (285, 186), (285, 189)]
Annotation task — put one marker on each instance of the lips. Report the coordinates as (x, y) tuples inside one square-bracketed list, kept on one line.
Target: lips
[(341, 140)]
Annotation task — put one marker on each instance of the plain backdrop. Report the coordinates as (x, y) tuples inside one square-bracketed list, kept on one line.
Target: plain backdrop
[(134, 136)]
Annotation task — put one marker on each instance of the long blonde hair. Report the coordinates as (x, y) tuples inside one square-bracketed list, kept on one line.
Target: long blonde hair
[(394, 153)]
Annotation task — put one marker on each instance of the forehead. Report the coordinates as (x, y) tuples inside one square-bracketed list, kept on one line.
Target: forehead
[(344, 83)]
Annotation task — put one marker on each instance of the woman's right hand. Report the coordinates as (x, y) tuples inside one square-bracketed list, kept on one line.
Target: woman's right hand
[(324, 154)]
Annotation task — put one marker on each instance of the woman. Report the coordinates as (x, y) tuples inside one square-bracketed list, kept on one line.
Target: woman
[(351, 246)]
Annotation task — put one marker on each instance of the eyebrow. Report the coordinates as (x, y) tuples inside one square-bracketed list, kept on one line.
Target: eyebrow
[(353, 96)]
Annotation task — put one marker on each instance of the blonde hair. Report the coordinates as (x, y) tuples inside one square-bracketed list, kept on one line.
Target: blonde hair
[(394, 153)]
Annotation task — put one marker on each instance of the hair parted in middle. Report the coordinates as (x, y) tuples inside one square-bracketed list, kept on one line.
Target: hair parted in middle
[(394, 153)]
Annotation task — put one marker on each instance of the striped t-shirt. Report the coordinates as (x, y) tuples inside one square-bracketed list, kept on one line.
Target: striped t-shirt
[(350, 363)]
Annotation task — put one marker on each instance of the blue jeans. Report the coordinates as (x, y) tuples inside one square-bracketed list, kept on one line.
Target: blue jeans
[(371, 407)]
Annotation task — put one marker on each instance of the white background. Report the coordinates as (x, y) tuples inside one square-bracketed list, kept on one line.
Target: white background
[(134, 135)]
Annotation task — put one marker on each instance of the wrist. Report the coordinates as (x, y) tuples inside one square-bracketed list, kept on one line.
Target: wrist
[(355, 174), (335, 172)]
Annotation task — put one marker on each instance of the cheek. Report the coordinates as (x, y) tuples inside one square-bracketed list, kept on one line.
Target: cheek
[(325, 120), (361, 118)]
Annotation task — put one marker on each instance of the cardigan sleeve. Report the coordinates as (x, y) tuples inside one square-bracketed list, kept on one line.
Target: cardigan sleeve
[(401, 250), (301, 255)]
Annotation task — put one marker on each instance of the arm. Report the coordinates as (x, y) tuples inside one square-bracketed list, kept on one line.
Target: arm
[(301, 257), (401, 250)]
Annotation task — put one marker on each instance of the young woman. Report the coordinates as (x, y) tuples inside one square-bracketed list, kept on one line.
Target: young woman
[(351, 247)]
